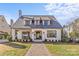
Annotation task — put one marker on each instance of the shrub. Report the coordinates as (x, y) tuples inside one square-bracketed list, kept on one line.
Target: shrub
[(74, 35), (6, 35), (1, 36), (9, 38)]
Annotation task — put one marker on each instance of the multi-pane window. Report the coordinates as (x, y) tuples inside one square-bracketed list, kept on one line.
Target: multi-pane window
[(51, 33), (25, 35), (37, 22), (49, 22)]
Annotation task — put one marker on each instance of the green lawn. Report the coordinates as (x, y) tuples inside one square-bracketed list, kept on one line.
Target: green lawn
[(14, 49), (63, 49)]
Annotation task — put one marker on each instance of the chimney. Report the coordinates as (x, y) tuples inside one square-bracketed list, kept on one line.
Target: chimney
[(11, 22), (20, 13)]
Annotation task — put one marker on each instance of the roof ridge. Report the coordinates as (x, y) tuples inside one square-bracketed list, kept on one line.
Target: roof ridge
[(37, 15)]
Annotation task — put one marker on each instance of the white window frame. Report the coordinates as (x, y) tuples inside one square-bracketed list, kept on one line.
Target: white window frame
[(51, 32), (30, 22), (48, 22), (43, 22), (34, 22)]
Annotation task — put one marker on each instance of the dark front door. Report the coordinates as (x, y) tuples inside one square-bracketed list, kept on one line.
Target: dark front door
[(38, 35)]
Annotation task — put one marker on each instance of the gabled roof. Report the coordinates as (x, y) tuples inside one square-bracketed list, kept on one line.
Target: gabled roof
[(3, 23), (20, 22)]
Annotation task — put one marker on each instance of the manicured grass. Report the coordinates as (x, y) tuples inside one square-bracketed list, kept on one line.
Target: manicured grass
[(63, 49), (14, 49)]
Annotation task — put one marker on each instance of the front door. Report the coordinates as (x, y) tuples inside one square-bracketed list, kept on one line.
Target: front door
[(38, 35)]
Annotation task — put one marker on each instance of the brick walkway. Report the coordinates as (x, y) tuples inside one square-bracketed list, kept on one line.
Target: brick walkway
[(38, 49)]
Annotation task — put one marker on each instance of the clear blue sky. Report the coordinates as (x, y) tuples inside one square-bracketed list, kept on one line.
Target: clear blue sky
[(62, 11)]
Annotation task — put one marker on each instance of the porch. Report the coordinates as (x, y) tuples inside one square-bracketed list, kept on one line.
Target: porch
[(37, 35)]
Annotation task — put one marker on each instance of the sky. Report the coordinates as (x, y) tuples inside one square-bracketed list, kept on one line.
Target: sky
[(63, 12)]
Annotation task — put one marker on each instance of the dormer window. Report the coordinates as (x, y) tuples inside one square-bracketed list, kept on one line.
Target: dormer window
[(37, 22), (26, 22), (48, 22)]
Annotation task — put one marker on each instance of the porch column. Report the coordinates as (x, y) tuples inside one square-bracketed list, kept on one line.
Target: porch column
[(32, 35), (58, 34), (19, 35), (43, 35), (13, 34)]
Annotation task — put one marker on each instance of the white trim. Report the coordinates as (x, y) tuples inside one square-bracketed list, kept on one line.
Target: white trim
[(34, 22), (43, 22), (30, 22), (13, 34), (38, 22), (48, 22)]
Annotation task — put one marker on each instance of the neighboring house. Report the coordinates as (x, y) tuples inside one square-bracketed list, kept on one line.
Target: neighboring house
[(73, 26), (67, 29), (4, 26), (37, 27)]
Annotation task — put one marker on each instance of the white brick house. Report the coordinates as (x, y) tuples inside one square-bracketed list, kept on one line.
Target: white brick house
[(38, 27)]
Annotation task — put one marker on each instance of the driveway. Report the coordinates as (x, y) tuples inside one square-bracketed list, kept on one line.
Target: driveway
[(38, 49)]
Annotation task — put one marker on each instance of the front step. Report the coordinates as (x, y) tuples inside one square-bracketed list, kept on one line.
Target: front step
[(37, 40)]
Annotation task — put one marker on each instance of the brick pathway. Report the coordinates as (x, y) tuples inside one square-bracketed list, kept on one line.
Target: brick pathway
[(38, 49)]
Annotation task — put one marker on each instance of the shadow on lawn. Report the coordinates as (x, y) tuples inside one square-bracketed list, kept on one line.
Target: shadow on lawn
[(15, 45)]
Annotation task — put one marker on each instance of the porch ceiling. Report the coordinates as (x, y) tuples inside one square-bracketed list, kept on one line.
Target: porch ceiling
[(23, 29)]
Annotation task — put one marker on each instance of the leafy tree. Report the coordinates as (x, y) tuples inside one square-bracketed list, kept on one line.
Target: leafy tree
[(74, 35)]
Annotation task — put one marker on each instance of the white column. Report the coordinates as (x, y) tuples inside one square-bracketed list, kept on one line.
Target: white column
[(19, 35), (38, 22), (32, 35), (59, 34), (13, 34), (24, 22), (43, 22), (43, 35), (30, 22), (49, 22), (35, 22)]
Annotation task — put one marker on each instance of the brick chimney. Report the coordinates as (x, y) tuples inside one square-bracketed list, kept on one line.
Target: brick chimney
[(20, 13), (11, 22)]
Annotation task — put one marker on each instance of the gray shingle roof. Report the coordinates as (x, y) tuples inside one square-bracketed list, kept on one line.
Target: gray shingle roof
[(3, 23), (20, 22)]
